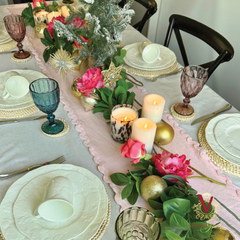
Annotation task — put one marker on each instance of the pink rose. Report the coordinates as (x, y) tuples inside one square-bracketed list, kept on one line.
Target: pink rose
[(168, 163), (134, 150), (49, 27), (36, 3), (91, 79), (77, 22)]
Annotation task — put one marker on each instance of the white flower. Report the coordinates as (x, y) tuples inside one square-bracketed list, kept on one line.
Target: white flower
[(89, 1)]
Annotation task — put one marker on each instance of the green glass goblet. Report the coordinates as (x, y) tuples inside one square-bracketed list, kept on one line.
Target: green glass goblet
[(46, 96)]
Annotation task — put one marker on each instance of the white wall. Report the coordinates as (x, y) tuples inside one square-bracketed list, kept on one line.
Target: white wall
[(221, 15)]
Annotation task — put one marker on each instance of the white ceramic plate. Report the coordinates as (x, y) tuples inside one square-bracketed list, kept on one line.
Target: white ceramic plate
[(7, 223), (227, 134), (4, 36), (134, 59), (18, 103), (210, 137)]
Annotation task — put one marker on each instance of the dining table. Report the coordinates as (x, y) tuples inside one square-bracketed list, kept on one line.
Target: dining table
[(88, 143)]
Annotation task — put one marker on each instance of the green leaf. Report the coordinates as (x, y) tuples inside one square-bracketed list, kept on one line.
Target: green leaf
[(123, 53), (150, 170), (56, 38), (131, 98), (176, 205), (119, 179), (123, 83), (104, 97), (148, 156), (107, 114), (102, 105), (68, 46), (55, 4), (172, 235), (138, 186), (175, 177), (132, 198), (165, 226), (106, 91), (46, 54), (142, 165), (118, 61), (98, 109), (119, 90), (134, 177), (158, 213), (123, 98), (178, 221), (110, 99), (127, 190), (130, 85), (155, 204), (47, 37), (201, 230)]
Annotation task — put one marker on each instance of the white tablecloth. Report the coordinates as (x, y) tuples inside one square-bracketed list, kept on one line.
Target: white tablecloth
[(23, 144)]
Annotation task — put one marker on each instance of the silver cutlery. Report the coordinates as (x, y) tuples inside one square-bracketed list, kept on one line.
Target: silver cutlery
[(22, 119), (205, 117), (58, 160), (8, 52)]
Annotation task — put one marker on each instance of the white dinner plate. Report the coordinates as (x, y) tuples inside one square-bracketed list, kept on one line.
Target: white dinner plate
[(227, 134), (134, 59), (18, 103), (210, 137), (4, 36), (8, 225)]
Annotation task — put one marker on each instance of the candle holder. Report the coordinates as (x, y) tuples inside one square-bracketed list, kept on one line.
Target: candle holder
[(122, 118)]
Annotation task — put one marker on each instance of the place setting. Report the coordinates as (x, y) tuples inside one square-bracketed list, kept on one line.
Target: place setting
[(220, 137), (150, 60), (60, 201)]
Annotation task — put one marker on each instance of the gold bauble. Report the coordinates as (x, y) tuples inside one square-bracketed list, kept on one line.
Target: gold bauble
[(152, 187), (74, 89), (164, 134), (39, 28)]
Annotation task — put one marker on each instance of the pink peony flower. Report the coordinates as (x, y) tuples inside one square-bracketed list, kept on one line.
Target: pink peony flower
[(134, 150), (36, 3), (168, 163), (91, 79), (77, 22)]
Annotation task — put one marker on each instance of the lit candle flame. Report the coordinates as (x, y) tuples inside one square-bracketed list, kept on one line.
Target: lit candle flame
[(145, 127), (155, 102), (125, 118)]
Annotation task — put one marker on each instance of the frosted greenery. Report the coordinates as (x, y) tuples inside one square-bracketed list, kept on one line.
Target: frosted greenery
[(105, 21)]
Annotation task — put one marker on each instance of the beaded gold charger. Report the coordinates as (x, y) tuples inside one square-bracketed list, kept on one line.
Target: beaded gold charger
[(102, 228), (148, 73), (216, 159), (8, 46), (18, 113)]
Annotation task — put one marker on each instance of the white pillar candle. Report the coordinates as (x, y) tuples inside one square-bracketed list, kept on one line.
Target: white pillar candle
[(51, 15), (144, 131), (153, 106), (122, 118)]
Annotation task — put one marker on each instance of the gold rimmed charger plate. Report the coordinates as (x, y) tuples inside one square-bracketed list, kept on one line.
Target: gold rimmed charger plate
[(149, 73), (216, 159)]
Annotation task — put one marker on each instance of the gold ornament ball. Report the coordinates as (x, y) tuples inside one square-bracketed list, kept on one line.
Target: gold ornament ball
[(164, 134), (39, 28), (74, 89), (152, 187)]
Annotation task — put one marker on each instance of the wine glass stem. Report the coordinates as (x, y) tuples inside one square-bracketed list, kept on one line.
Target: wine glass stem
[(20, 47), (51, 118), (186, 101)]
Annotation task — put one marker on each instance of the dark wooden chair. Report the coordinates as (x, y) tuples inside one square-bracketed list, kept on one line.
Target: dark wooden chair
[(203, 32), (151, 8)]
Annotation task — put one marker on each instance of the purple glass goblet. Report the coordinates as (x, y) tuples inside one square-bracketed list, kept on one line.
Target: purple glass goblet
[(193, 79), (16, 28)]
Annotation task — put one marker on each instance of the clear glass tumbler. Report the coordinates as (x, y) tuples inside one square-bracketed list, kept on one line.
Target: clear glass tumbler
[(136, 223)]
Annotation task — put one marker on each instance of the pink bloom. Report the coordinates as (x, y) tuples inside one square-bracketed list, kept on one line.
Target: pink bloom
[(36, 3), (168, 163), (49, 27), (60, 19), (91, 79), (77, 22), (134, 150)]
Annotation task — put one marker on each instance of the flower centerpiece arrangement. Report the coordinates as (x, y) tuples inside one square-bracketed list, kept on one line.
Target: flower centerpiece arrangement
[(162, 180)]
